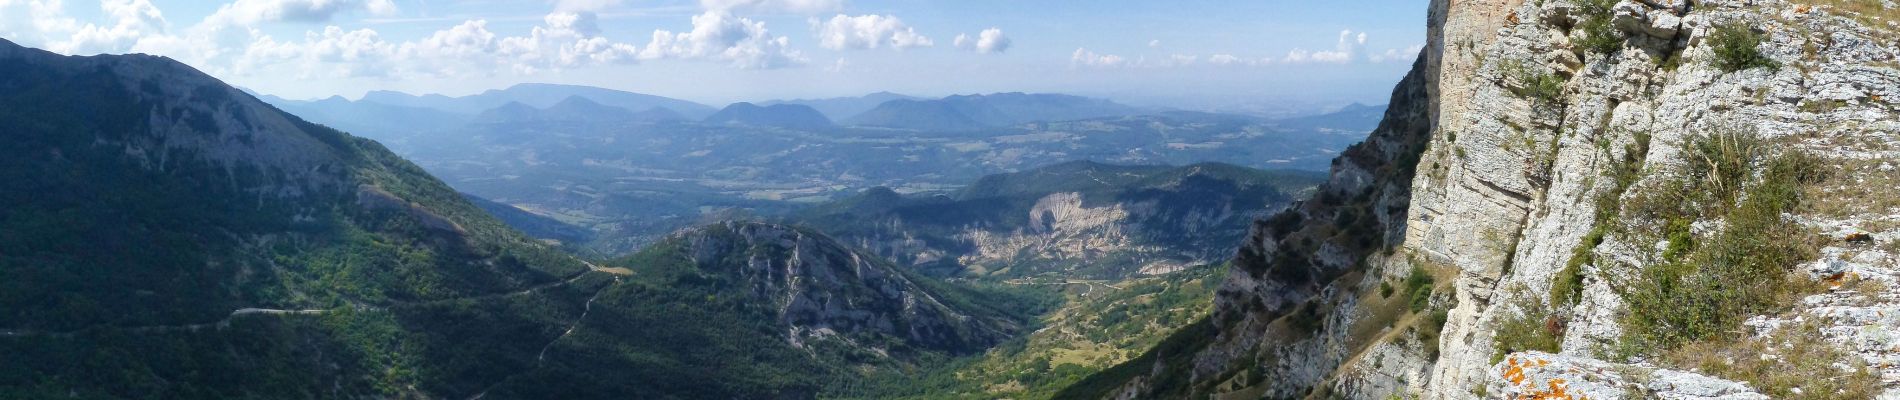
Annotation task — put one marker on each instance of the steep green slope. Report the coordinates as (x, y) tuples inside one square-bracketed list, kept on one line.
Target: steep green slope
[(141, 192), (169, 237), (1103, 324), (755, 310)]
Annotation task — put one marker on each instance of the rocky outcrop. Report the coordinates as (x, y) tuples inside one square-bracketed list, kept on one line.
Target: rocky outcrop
[(1539, 375), (823, 290), (1518, 122), (1073, 220)]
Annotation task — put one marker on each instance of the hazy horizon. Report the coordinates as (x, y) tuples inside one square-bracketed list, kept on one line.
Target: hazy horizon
[(1194, 54)]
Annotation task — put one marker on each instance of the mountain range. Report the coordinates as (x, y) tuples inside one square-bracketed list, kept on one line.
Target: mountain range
[(841, 108), (575, 109), (1079, 220), (211, 246), (792, 116), (966, 112), (538, 95)]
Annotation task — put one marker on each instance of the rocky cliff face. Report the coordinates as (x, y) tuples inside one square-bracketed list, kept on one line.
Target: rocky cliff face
[(1489, 238), (1072, 220), (821, 290)]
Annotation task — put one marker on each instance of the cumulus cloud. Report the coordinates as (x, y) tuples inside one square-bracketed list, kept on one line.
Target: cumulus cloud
[(865, 32), (1085, 58), (1091, 59), (1397, 54), (334, 52), (720, 36), (131, 21), (229, 42), (252, 12), (803, 7), (990, 41), (1233, 60), (563, 40), (583, 5), (1350, 48)]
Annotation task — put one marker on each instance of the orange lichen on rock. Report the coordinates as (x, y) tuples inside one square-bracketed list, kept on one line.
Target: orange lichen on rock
[(1553, 389), (1514, 372)]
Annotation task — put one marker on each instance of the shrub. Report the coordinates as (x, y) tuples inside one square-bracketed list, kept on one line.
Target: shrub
[(1722, 160), (1543, 88), (1598, 35), (1738, 48), (1706, 288), (1531, 327), (1418, 286)]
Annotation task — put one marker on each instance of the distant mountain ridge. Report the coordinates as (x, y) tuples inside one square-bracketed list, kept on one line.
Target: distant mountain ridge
[(574, 109), (538, 95), (793, 116), (964, 112), (841, 108), (1075, 219)]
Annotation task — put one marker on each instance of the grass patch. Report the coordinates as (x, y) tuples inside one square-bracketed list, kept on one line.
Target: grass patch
[(1738, 47), (1531, 327), (1860, 187), (1430, 327), (1822, 106), (1791, 363), (1703, 290), (1868, 12)]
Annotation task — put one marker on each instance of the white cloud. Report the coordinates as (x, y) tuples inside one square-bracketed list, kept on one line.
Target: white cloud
[(863, 32), (564, 40), (334, 52), (584, 5), (802, 7), (227, 44), (1350, 48), (1232, 60), (838, 66), (1154, 43), (131, 21), (1086, 58), (990, 41), (1396, 54), (720, 36), (252, 12)]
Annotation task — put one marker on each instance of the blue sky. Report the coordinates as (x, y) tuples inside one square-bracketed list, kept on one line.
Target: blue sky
[(1191, 53)]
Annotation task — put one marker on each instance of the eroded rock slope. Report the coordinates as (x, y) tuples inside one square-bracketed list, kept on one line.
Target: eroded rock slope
[(1590, 185)]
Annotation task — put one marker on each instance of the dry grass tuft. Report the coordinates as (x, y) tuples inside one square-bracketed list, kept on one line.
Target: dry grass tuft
[(1787, 364)]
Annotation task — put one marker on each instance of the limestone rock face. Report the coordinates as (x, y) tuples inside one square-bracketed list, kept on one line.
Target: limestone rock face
[(824, 290), (1486, 175)]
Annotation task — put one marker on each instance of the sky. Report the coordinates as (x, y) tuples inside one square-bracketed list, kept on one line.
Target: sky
[(1185, 53)]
